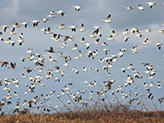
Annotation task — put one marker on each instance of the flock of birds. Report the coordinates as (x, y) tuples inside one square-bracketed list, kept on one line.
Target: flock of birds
[(39, 63)]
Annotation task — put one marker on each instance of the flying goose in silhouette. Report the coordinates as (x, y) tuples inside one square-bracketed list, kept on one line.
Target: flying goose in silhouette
[(158, 45), (114, 33), (61, 26), (140, 7), (87, 45), (50, 50), (4, 27), (60, 12), (77, 8), (48, 31), (16, 25), (8, 41), (160, 31), (35, 22), (126, 38), (150, 4), (25, 24), (13, 66), (129, 8), (65, 37), (110, 37), (44, 19), (55, 37), (20, 41), (92, 35), (108, 20), (75, 47), (44, 30), (29, 50), (51, 15), (82, 28), (147, 30), (73, 28), (12, 31), (4, 63), (145, 41)]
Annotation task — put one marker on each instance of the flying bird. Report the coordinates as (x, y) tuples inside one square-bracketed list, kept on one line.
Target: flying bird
[(13, 66), (61, 12), (151, 4), (158, 45), (82, 28), (129, 8), (35, 22), (50, 50), (140, 7), (44, 19), (51, 15), (25, 24), (77, 8), (108, 19)]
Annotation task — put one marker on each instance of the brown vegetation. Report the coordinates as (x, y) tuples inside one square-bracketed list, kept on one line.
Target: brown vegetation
[(97, 114)]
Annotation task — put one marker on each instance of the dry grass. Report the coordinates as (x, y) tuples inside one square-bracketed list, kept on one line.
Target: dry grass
[(98, 112), (118, 113)]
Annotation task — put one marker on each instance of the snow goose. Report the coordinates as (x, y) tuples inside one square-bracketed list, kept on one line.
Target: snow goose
[(145, 41), (97, 41), (92, 35), (29, 50), (44, 19), (55, 37), (160, 31), (4, 63), (51, 15), (16, 25), (4, 27), (50, 50), (21, 36), (140, 7), (61, 26), (107, 20), (25, 24), (8, 41), (13, 66), (77, 8), (35, 22), (73, 28), (147, 30), (75, 47), (48, 31), (150, 4), (87, 45), (44, 30), (65, 37), (82, 28), (158, 45), (20, 41), (114, 33), (60, 12), (126, 38), (125, 32), (110, 37), (129, 8), (83, 40), (12, 31)]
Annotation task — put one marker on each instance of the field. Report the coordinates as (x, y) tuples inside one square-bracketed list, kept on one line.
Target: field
[(97, 113)]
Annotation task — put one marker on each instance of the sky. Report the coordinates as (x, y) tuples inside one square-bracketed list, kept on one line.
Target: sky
[(91, 14)]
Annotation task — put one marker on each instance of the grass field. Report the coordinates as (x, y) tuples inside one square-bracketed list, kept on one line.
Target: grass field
[(97, 113)]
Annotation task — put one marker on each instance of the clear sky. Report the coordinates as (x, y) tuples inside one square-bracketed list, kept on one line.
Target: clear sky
[(91, 14)]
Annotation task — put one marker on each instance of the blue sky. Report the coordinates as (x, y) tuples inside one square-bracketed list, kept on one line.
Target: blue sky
[(90, 15)]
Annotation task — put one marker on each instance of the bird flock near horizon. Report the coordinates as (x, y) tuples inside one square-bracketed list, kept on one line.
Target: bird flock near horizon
[(37, 74)]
